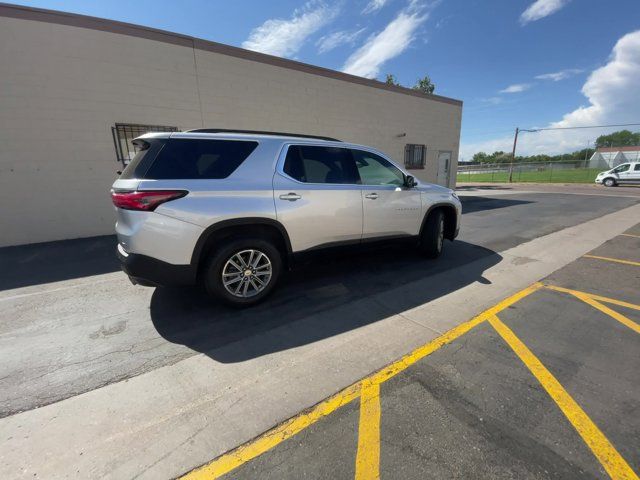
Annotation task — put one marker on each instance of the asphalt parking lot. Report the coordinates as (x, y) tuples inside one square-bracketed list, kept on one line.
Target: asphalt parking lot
[(100, 378), (99, 329), (544, 384)]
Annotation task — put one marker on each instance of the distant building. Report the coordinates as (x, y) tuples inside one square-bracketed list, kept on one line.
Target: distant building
[(609, 157)]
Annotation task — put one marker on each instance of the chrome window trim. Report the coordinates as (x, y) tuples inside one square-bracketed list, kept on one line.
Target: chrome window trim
[(349, 146), (285, 150)]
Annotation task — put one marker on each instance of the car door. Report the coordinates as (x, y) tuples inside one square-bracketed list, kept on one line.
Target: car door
[(317, 197), (623, 173), (389, 208), (635, 173)]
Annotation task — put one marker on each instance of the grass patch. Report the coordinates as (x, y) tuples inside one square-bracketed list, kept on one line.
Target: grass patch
[(570, 175)]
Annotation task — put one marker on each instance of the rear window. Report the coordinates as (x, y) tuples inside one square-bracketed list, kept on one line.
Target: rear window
[(146, 150), (199, 159)]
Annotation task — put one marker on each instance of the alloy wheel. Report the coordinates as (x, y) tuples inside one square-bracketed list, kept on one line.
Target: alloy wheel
[(247, 273)]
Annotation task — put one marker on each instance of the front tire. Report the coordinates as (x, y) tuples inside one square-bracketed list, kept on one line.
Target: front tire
[(609, 182), (432, 237), (243, 272)]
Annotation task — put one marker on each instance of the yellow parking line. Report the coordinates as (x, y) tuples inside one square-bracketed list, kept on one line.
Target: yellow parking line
[(368, 457), (615, 260), (273, 437), (605, 452), (599, 298), (421, 352), (592, 300), (620, 303), (630, 235), (242, 454), (612, 313)]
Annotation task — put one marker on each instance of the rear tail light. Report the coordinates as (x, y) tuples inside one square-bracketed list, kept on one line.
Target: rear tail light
[(146, 200)]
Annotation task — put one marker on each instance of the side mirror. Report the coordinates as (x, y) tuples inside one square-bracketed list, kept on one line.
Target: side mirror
[(409, 181)]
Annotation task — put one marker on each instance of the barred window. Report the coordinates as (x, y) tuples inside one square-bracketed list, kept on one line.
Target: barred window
[(414, 156)]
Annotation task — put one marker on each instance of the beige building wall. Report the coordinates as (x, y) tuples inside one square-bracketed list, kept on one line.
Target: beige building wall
[(65, 80)]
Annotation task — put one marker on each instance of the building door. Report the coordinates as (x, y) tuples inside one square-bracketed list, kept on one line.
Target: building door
[(444, 167)]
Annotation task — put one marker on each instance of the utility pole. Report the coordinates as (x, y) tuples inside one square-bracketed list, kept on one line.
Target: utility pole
[(513, 155), (586, 153), (515, 144)]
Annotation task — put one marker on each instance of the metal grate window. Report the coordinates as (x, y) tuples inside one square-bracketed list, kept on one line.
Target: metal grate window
[(125, 133), (414, 156)]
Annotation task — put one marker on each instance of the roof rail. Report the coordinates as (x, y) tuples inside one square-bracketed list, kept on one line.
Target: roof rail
[(260, 132)]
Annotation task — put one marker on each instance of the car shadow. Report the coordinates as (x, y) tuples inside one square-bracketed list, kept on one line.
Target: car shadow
[(39, 263), (473, 203), (321, 299)]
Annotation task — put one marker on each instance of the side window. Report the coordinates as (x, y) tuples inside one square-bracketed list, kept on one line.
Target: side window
[(637, 167), (315, 164), (375, 170), (199, 159), (622, 168)]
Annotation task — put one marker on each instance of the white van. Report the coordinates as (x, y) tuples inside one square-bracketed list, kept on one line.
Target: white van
[(624, 174)]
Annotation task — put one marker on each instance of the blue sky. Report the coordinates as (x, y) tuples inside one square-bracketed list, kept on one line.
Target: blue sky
[(527, 63)]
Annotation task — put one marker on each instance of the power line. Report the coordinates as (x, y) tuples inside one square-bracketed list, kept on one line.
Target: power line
[(588, 126), (480, 132)]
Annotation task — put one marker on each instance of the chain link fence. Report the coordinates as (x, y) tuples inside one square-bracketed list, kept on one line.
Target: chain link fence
[(577, 171)]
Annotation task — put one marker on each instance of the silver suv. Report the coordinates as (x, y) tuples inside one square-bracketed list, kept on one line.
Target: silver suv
[(231, 210)]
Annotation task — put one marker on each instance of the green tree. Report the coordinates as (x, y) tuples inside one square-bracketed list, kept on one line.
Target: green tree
[(618, 139), (504, 157), (425, 85), (480, 157), (391, 80)]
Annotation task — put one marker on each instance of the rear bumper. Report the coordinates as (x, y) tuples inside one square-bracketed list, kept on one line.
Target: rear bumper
[(151, 272)]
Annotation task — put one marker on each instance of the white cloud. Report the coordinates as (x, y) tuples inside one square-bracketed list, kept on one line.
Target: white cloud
[(336, 39), (387, 44), (540, 9), (285, 37), (374, 6), (561, 75), (516, 88), (613, 92)]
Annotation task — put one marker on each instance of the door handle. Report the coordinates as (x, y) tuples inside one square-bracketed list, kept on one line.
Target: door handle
[(291, 196), (372, 196)]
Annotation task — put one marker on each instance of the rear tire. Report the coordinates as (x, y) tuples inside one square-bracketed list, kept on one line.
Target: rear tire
[(432, 236), (609, 182), (243, 272)]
